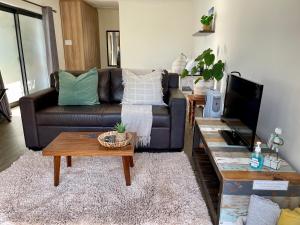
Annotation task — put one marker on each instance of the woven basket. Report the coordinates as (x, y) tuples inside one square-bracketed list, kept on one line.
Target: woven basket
[(117, 144)]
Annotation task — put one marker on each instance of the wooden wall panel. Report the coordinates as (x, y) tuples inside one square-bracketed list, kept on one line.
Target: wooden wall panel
[(90, 35), (80, 25)]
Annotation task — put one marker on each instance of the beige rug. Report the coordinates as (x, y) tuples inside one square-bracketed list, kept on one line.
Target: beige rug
[(93, 191)]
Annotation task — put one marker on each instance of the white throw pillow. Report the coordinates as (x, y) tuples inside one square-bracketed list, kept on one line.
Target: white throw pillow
[(143, 89)]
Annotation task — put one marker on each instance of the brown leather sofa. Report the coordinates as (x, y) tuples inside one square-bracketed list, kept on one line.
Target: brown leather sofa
[(43, 119)]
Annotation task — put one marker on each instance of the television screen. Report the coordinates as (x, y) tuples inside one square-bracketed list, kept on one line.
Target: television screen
[(241, 108)]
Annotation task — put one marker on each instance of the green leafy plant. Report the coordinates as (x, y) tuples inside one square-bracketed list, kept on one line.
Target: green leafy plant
[(207, 67), (120, 128), (206, 20)]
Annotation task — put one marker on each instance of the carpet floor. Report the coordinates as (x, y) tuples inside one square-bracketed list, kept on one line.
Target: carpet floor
[(93, 191)]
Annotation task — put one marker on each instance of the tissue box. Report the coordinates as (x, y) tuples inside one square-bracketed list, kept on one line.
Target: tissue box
[(272, 162)]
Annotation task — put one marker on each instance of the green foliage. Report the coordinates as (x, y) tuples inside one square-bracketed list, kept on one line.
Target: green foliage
[(120, 128), (206, 20), (207, 67)]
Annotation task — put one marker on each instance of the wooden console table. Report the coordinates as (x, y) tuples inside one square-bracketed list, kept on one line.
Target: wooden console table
[(226, 179)]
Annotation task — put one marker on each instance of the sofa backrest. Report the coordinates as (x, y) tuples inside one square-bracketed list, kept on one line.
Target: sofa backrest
[(110, 84)]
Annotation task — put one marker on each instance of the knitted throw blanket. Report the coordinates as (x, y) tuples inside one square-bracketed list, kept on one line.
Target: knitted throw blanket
[(138, 118)]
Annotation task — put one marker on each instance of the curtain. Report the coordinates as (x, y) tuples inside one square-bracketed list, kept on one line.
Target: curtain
[(49, 31), (4, 105)]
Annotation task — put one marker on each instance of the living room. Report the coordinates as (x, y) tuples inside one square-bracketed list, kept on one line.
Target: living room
[(172, 166)]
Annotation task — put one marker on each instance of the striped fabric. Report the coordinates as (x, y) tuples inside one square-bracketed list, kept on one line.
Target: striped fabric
[(142, 89)]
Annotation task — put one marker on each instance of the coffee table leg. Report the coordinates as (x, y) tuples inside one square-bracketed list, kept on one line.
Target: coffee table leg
[(56, 170), (69, 161), (126, 163), (131, 163)]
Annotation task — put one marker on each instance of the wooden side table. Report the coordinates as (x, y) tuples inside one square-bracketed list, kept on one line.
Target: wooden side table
[(194, 100)]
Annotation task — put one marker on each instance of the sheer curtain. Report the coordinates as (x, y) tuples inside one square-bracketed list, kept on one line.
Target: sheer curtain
[(4, 105), (49, 31)]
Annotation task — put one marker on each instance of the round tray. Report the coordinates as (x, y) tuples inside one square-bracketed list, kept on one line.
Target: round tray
[(117, 144)]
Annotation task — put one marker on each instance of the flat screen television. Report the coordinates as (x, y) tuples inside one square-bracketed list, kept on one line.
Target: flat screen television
[(241, 111)]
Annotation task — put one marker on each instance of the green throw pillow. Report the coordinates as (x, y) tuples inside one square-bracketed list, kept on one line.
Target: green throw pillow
[(81, 90)]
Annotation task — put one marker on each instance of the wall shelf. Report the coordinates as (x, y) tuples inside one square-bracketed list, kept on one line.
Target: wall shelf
[(203, 33)]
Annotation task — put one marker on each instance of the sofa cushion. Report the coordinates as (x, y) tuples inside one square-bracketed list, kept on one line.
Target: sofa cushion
[(103, 83), (70, 116), (78, 90), (142, 89), (117, 88), (111, 115), (104, 115)]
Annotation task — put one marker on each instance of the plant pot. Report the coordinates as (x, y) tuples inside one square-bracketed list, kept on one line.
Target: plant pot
[(206, 27), (209, 84), (202, 86), (121, 137)]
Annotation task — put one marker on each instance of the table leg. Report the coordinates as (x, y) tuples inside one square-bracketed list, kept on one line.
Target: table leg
[(193, 112), (69, 161), (190, 111), (126, 163), (56, 170), (131, 163)]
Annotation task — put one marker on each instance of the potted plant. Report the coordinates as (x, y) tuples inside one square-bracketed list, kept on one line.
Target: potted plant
[(207, 68), (206, 22), (121, 134)]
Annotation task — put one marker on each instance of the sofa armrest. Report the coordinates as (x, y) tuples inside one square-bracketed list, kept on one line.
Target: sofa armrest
[(177, 105), (29, 105)]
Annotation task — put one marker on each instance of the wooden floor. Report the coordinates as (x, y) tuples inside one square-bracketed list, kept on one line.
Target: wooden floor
[(12, 144)]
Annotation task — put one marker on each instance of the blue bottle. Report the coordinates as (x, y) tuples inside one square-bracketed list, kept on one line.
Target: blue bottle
[(257, 159)]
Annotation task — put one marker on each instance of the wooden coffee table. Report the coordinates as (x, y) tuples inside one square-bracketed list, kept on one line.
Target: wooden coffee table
[(70, 144)]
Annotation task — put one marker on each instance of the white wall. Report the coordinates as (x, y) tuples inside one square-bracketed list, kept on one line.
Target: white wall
[(153, 33), (57, 22), (261, 39), (108, 20)]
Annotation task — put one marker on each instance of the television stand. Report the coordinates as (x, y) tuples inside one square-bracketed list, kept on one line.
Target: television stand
[(226, 179), (231, 137)]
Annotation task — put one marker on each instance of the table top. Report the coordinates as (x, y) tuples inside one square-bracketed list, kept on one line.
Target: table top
[(196, 97), (233, 161), (84, 144)]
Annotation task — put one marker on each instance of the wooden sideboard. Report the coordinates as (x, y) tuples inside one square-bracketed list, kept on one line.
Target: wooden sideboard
[(226, 179)]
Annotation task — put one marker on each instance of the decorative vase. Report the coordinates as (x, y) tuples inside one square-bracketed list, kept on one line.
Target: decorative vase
[(206, 27), (121, 136)]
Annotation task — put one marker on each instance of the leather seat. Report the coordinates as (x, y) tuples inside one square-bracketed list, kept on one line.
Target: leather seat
[(104, 115), (112, 115)]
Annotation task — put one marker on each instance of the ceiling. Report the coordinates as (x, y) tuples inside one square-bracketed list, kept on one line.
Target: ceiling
[(104, 3)]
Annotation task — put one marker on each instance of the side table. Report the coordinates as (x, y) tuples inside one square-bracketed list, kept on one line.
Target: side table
[(194, 100)]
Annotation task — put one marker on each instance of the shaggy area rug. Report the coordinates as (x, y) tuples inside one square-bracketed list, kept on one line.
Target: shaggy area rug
[(93, 191)]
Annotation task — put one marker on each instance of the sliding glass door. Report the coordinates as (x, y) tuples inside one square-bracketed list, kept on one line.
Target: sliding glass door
[(34, 51), (22, 52), (9, 57)]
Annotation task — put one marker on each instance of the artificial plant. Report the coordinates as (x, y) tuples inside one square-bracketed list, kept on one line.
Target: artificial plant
[(206, 20)]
